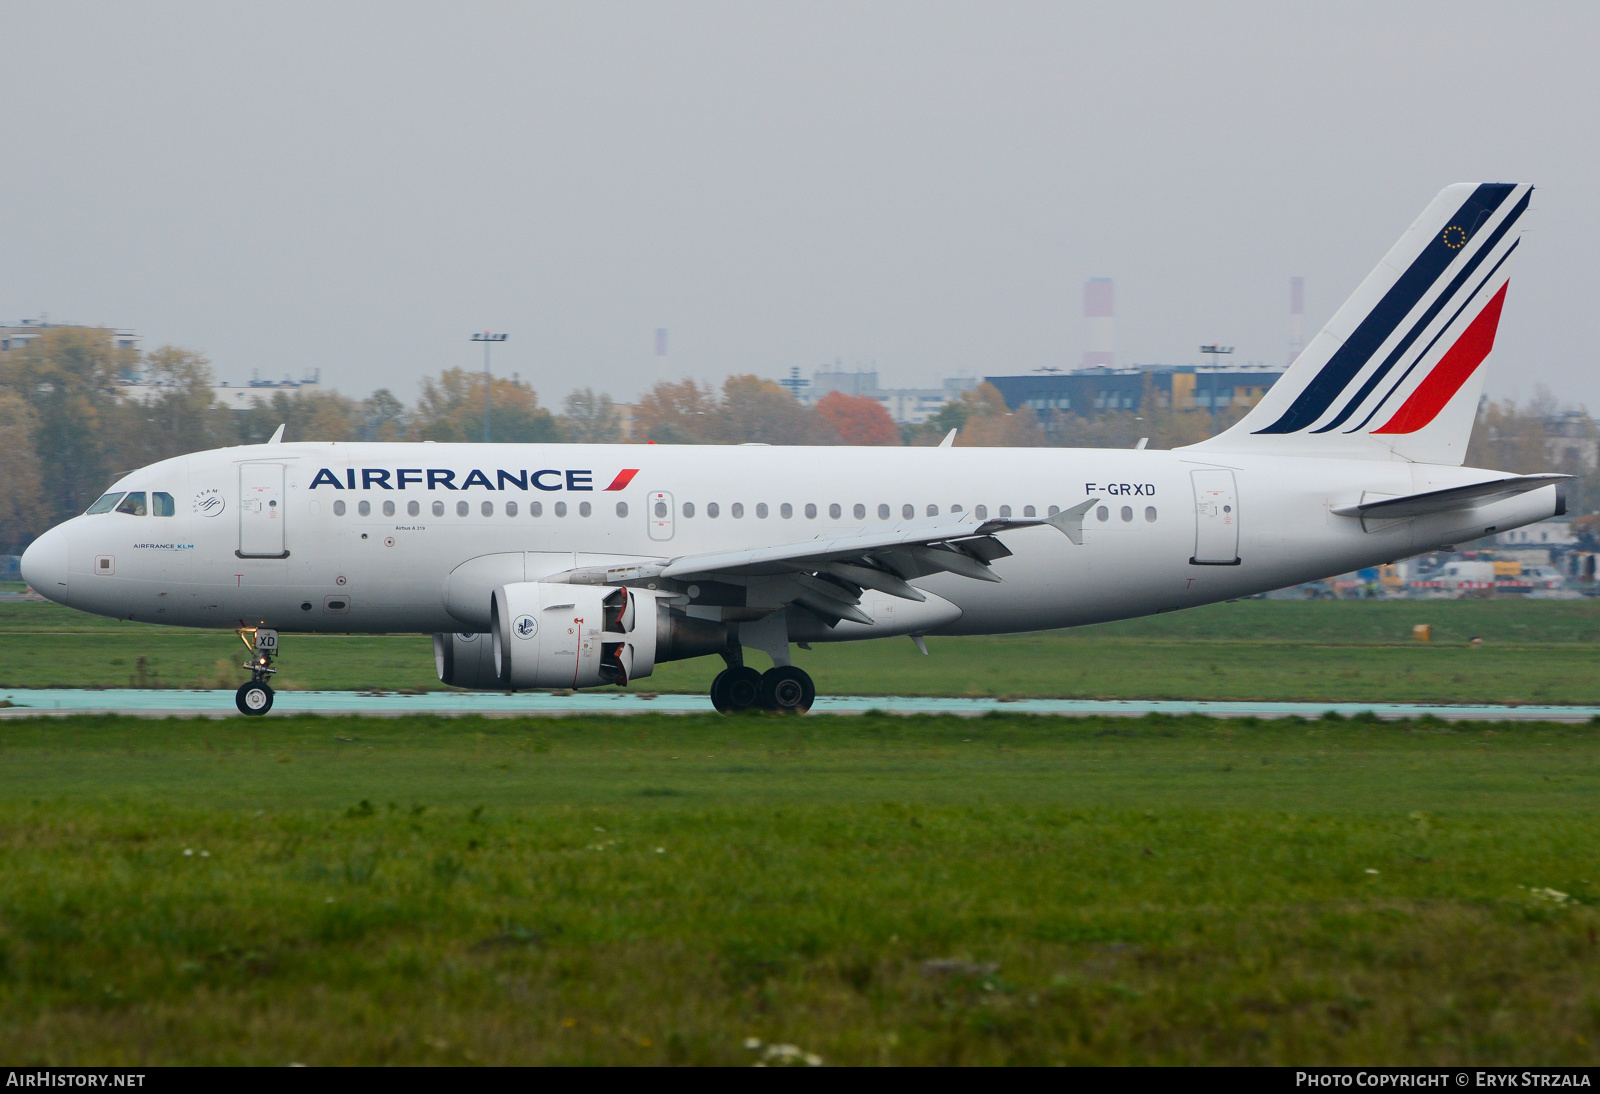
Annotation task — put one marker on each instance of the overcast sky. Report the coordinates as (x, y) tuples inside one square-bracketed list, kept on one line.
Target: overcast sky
[(920, 186)]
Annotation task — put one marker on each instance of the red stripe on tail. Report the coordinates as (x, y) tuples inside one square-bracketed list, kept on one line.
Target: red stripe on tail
[(623, 479), (1454, 368)]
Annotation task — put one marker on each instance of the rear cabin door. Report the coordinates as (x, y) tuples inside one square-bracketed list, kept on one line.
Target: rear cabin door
[(261, 510), (1216, 517), (658, 511)]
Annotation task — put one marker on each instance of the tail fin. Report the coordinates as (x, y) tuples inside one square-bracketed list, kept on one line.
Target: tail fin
[(1394, 374)]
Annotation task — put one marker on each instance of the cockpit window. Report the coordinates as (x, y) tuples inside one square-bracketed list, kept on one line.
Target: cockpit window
[(133, 504), (104, 504), (162, 505)]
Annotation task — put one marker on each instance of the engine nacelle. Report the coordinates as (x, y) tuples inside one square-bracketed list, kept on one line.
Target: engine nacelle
[(547, 635), (466, 661)]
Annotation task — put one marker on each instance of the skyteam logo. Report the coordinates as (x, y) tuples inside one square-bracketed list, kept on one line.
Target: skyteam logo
[(525, 626), (209, 503), (445, 478)]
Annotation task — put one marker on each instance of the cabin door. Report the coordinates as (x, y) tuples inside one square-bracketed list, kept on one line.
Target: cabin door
[(261, 510), (1216, 517)]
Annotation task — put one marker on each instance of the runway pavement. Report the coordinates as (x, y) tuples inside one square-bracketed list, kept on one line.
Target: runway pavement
[(217, 704)]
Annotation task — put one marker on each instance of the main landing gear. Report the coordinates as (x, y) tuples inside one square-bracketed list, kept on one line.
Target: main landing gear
[(782, 688), (255, 698)]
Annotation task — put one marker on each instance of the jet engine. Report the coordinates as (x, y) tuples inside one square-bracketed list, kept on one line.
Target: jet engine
[(466, 661), (551, 635)]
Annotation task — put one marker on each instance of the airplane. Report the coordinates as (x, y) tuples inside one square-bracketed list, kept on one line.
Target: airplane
[(562, 566)]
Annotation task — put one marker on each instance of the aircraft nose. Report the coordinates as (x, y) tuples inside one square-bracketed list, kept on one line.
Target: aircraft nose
[(44, 564)]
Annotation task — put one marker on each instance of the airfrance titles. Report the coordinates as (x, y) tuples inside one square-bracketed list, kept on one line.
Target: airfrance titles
[(445, 478)]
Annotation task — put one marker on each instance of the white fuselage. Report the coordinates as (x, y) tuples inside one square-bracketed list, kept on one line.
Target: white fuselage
[(372, 568)]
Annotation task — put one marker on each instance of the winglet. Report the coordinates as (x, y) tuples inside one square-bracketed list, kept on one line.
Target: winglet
[(949, 439), (1069, 522), (277, 435)]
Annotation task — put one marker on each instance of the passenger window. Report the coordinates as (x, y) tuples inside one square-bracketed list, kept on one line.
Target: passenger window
[(1150, 513), (1005, 512), (811, 511), (162, 504), (1127, 513), (661, 509), (908, 511), (1028, 511), (736, 510), (761, 510), (536, 508), (834, 511), (1054, 509), (388, 508), (688, 508), (883, 512), (461, 508), (955, 508), (487, 508), (511, 508), (338, 508), (859, 511), (933, 510), (106, 503), (786, 510), (981, 512), (584, 509), (413, 509), (712, 510), (438, 509), (622, 508), (133, 504), (364, 508), (1101, 514)]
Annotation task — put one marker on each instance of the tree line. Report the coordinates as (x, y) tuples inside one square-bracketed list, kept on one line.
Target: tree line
[(67, 428)]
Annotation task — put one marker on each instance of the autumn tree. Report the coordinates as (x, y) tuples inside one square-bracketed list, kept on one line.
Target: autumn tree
[(856, 419), (304, 415), (384, 417), (587, 418), (451, 409), (24, 512), (680, 412), (754, 410), (68, 378), (181, 416)]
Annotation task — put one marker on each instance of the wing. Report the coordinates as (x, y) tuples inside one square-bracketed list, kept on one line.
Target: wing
[(827, 574)]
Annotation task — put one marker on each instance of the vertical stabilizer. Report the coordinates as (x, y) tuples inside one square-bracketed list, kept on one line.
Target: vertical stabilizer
[(1396, 372)]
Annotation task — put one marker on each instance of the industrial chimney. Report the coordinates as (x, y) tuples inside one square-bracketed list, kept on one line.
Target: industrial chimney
[(1099, 298), (1297, 317)]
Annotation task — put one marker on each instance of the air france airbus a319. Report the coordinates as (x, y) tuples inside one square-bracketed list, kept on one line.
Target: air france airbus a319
[(574, 566)]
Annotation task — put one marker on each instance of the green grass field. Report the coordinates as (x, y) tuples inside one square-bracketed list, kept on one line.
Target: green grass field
[(871, 890), (1539, 651)]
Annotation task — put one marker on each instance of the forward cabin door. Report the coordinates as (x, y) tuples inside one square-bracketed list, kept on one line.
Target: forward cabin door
[(1216, 517), (261, 510), (658, 510)]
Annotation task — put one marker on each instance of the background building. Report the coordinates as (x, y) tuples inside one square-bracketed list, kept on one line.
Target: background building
[(14, 336), (906, 405), (1090, 391)]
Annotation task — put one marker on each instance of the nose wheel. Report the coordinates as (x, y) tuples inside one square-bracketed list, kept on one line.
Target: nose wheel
[(255, 698)]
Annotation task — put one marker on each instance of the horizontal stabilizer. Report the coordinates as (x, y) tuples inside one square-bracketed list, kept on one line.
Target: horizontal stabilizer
[(1457, 497)]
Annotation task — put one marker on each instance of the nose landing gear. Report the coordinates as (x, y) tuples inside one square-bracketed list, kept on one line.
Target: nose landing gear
[(255, 698)]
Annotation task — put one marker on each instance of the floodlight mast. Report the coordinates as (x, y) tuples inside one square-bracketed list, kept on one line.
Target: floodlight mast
[(1215, 350), (487, 339)]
